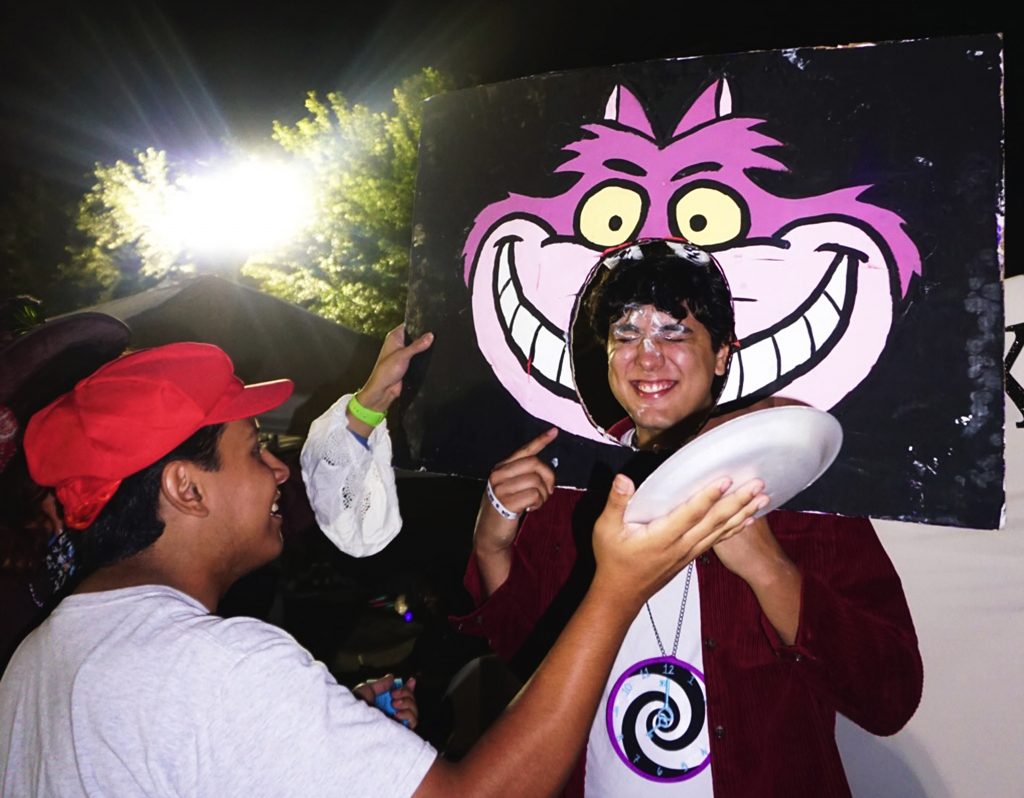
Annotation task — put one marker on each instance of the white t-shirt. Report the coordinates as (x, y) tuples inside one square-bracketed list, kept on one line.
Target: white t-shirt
[(650, 734), (141, 691)]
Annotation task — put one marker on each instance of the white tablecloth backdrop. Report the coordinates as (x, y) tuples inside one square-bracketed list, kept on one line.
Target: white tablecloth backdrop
[(966, 592)]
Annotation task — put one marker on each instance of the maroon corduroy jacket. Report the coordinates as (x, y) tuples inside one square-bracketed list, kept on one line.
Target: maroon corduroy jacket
[(771, 707)]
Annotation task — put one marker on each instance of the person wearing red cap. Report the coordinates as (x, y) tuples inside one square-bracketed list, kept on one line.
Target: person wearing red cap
[(134, 687)]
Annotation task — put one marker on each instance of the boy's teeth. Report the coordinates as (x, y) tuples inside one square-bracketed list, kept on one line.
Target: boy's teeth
[(652, 387), (273, 508)]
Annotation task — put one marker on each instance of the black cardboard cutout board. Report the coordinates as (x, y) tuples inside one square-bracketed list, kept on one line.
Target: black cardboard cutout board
[(852, 196)]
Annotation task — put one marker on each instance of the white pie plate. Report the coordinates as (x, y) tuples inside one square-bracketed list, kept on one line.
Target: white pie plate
[(787, 448)]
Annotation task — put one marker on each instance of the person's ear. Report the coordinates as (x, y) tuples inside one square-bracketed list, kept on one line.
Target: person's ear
[(721, 359), (182, 490)]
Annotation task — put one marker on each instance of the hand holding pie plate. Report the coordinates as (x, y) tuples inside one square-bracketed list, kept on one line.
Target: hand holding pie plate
[(787, 448)]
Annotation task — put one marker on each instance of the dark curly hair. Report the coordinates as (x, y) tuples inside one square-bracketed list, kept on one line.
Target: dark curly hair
[(131, 521), (676, 277)]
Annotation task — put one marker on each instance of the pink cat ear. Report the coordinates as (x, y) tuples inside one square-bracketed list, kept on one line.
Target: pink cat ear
[(714, 102), (623, 107)]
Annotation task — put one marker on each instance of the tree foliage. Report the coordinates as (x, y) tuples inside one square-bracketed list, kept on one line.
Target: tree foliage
[(121, 221), (37, 235), (352, 265)]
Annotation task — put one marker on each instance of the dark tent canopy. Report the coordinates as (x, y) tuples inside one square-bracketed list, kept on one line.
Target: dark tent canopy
[(267, 338)]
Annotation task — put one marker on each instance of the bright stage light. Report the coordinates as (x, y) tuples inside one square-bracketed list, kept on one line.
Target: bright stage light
[(255, 206)]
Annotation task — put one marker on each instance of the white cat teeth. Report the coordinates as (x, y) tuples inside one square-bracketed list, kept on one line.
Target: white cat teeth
[(538, 342), (772, 359)]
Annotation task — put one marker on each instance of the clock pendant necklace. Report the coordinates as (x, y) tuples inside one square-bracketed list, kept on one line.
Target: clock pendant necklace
[(656, 711)]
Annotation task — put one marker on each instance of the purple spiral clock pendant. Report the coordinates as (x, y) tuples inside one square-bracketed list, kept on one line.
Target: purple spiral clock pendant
[(657, 719)]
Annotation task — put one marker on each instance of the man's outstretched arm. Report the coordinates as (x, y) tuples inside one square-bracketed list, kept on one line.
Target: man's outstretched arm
[(532, 747)]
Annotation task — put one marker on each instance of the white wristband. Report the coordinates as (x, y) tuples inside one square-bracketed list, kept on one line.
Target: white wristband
[(503, 511)]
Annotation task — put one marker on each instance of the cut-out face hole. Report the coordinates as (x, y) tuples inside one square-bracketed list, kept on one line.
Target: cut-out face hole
[(590, 366), (633, 357)]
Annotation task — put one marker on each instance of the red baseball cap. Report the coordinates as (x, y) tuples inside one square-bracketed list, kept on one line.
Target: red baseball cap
[(129, 414)]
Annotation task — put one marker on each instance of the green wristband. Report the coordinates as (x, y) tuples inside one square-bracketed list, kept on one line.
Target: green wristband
[(369, 417)]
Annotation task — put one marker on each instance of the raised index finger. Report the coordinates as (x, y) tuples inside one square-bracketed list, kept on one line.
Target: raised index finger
[(533, 447)]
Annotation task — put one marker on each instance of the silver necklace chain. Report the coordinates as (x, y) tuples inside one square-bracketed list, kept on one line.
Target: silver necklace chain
[(679, 623)]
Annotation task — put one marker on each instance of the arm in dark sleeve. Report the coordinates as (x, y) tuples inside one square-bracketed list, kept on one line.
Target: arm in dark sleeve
[(543, 557), (855, 643)]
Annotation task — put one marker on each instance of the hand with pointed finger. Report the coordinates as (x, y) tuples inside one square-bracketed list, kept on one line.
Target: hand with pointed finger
[(636, 560), (520, 482), (385, 382)]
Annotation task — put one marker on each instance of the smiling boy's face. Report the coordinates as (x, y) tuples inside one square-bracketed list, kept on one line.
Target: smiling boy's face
[(661, 368), (245, 497)]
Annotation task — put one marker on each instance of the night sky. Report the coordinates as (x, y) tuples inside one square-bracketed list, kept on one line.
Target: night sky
[(91, 82)]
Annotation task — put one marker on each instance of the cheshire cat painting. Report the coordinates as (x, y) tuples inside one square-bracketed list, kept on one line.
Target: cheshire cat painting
[(851, 195)]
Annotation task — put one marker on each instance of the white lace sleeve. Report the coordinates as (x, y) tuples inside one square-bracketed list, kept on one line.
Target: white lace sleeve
[(351, 489)]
